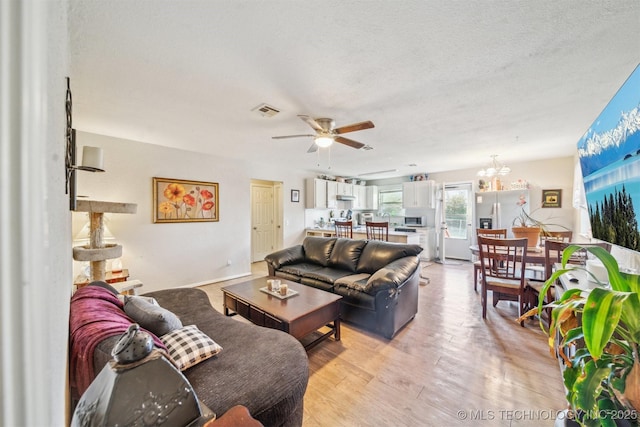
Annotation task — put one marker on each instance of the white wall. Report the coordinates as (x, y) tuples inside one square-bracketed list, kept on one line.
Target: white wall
[(541, 174), (35, 264), (182, 254)]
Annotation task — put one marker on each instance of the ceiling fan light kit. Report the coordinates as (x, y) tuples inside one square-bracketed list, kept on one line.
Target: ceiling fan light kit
[(327, 133), (323, 141)]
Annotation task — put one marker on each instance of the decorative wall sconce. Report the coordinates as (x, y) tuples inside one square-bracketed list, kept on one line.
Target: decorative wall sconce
[(92, 157)]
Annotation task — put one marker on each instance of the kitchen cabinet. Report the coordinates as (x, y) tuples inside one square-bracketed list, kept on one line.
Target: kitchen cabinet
[(360, 193), (345, 189), (418, 194), (316, 193), (332, 192), (371, 197)]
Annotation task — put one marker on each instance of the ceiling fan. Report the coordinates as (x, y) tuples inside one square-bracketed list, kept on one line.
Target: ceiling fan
[(326, 133)]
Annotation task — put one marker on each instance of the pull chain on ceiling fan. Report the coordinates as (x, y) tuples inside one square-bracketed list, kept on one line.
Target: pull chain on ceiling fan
[(328, 150), (326, 133)]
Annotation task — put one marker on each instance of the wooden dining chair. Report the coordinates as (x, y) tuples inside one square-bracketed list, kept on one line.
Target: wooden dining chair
[(344, 229), (558, 236), (497, 233), (503, 271), (553, 250), (537, 272), (377, 230)]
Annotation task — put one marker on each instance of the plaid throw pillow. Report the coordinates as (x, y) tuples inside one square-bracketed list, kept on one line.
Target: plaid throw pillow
[(189, 346)]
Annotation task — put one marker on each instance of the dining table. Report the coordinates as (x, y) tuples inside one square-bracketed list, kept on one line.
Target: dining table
[(534, 255)]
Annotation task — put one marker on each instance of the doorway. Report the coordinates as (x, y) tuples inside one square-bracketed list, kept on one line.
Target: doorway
[(266, 218), (458, 214)]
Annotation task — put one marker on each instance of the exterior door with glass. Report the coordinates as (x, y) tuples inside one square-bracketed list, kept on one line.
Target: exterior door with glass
[(458, 214)]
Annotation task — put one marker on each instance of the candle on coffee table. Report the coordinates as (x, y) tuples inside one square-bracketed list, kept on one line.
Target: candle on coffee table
[(284, 289)]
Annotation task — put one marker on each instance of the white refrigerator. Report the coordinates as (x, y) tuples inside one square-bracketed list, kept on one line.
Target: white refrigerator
[(497, 209)]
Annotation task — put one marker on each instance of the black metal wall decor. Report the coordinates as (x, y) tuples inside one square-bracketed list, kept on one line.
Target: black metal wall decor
[(94, 163), (70, 154)]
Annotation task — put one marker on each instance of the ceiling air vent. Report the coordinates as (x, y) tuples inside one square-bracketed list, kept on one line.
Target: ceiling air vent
[(266, 110)]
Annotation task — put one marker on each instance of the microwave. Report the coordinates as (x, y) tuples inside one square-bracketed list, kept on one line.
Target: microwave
[(415, 221)]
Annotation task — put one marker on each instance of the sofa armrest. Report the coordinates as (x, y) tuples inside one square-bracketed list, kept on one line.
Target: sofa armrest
[(393, 275), (292, 255)]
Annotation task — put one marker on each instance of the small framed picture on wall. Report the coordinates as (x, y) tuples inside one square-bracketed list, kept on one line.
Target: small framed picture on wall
[(295, 196), (551, 198)]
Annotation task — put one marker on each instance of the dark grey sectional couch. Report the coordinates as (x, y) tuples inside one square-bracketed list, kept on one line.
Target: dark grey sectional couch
[(263, 369), (378, 280)]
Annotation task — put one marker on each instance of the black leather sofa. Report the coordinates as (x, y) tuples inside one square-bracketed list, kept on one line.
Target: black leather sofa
[(378, 281)]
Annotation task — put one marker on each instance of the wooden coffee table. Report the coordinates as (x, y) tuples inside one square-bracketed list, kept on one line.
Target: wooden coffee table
[(299, 315)]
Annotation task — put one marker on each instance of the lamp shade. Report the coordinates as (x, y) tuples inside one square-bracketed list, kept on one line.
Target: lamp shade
[(324, 141), (92, 159)]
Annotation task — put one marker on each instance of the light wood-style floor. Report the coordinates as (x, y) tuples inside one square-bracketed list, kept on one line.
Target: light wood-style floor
[(447, 367)]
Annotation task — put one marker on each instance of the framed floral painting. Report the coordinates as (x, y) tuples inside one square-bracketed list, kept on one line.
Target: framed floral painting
[(178, 200)]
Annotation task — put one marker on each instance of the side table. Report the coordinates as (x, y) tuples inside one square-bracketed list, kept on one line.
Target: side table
[(119, 280)]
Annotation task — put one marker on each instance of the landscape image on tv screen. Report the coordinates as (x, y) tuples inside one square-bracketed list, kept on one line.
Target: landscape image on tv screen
[(610, 160)]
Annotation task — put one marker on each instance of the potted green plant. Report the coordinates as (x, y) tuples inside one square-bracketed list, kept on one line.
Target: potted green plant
[(525, 226), (602, 377)]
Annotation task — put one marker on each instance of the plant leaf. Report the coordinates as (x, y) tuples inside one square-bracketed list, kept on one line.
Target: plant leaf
[(607, 408), (633, 280), (630, 316), (588, 386), (600, 317)]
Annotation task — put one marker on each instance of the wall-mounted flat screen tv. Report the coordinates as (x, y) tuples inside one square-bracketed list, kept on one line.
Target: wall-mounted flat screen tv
[(610, 160)]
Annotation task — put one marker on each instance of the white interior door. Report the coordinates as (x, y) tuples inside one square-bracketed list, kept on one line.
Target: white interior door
[(279, 215), (458, 214), (262, 221)]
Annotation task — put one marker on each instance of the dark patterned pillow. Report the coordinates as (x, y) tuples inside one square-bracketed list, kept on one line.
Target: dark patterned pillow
[(189, 346)]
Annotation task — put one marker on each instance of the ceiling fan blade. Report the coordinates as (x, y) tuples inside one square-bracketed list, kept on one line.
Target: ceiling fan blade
[(290, 136), (349, 142), (313, 148), (354, 127), (311, 122)]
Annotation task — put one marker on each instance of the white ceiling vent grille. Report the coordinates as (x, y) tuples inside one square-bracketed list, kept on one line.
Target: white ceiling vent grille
[(266, 110)]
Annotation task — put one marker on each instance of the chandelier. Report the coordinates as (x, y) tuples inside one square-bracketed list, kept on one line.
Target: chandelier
[(495, 169)]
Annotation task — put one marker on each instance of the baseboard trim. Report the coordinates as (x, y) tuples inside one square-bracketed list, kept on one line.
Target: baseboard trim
[(212, 281)]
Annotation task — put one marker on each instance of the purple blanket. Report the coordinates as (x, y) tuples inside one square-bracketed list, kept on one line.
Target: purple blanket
[(96, 314)]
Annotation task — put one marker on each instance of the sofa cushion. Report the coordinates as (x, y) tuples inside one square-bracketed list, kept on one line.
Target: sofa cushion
[(345, 254), (357, 282), (189, 346), (287, 276), (300, 269), (377, 254), (318, 249), (318, 284), (151, 316), (328, 274)]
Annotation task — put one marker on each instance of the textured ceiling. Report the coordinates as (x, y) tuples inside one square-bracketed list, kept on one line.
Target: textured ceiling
[(447, 83)]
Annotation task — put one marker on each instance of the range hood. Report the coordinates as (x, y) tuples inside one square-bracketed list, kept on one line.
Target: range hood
[(345, 197)]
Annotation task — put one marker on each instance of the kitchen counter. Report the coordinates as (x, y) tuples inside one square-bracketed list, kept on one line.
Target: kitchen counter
[(360, 233)]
